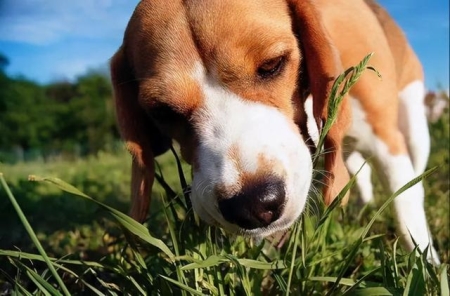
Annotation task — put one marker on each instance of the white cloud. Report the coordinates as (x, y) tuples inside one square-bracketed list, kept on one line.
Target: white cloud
[(52, 39), (43, 22)]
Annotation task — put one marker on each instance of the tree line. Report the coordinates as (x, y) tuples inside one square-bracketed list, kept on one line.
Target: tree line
[(60, 117)]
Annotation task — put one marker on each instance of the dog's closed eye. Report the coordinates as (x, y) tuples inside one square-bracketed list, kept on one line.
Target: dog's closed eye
[(271, 67)]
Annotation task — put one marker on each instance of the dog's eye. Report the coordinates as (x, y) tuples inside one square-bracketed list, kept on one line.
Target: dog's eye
[(271, 68)]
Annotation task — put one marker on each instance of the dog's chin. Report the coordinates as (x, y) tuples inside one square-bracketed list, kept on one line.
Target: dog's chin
[(259, 234)]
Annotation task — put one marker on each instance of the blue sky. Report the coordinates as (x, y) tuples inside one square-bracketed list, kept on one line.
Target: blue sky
[(47, 40)]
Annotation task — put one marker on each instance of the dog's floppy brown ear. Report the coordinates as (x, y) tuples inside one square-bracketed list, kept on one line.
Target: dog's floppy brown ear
[(323, 65), (142, 138)]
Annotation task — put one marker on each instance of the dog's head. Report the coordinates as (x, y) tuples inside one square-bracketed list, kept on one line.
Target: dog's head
[(227, 80)]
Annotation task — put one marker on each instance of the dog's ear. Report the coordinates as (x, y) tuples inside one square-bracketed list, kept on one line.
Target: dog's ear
[(323, 65), (143, 139)]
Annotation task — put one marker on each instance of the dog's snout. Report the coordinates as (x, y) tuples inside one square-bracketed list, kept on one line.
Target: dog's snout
[(258, 204)]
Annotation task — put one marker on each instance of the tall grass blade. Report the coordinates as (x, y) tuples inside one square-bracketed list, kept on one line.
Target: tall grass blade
[(183, 182), (337, 201), (29, 256), (348, 261), (444, 281), (211, 261), (57, 263), (373, 291), (182, 286), (43, 285), (336, 97), (137, 285), (32, 235), (355, 286), (176, 248), (415, 284), (127, 222), (331, 279), (297, 231), (393, 196), (22, 290)]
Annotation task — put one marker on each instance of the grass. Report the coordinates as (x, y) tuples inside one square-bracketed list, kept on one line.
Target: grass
[(88, 246), (321, 257)]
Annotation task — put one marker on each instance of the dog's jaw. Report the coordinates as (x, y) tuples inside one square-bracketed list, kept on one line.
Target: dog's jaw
[(239, 138)]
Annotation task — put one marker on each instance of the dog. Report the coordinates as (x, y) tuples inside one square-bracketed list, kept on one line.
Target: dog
[(243, 87)]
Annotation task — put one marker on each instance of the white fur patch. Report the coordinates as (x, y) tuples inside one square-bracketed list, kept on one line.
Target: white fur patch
[(355, 162), (311, 125), (360, 130), (227, 121), (413, 124)]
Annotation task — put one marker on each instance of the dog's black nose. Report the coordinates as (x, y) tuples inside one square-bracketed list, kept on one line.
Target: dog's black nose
[(259, 203)]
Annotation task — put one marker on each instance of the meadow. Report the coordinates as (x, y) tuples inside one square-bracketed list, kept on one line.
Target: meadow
[(80, 242)]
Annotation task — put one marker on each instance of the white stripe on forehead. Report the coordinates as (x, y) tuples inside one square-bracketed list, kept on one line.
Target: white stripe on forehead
[(228, 119)]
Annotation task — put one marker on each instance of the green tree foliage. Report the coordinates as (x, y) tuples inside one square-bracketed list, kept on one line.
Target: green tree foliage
[(61, 117), (26, 119)]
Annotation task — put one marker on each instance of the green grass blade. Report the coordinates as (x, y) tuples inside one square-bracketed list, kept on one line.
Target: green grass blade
[(29, 256), (372, 291), (358, 282), (348, 261), (336, 97), (129, 223), (337, 201), (297, 231), (182, 286), (415, 284), (393, 196), (35, 257), (330, 279), (444, 281), (59, 183), (33, 236), (40, 284), (93, 289), (255, 264), (167, 189), (43, 285), (213, 260), (22, 290), (183, 182), (137, 285), (175, 243)]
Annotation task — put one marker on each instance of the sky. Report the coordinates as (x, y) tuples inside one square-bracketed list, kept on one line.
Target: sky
[(51, 40)]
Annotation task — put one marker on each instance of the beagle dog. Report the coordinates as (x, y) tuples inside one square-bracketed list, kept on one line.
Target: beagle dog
[(238, 83)]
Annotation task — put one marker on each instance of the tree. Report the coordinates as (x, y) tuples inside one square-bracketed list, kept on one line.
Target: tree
[(60, 116), (94, 109)]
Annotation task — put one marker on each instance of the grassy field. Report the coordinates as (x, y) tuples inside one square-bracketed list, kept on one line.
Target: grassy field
[(96, 250)]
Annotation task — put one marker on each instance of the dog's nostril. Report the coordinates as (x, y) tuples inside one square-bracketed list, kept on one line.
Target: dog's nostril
[(258, 204), (266, 217)]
